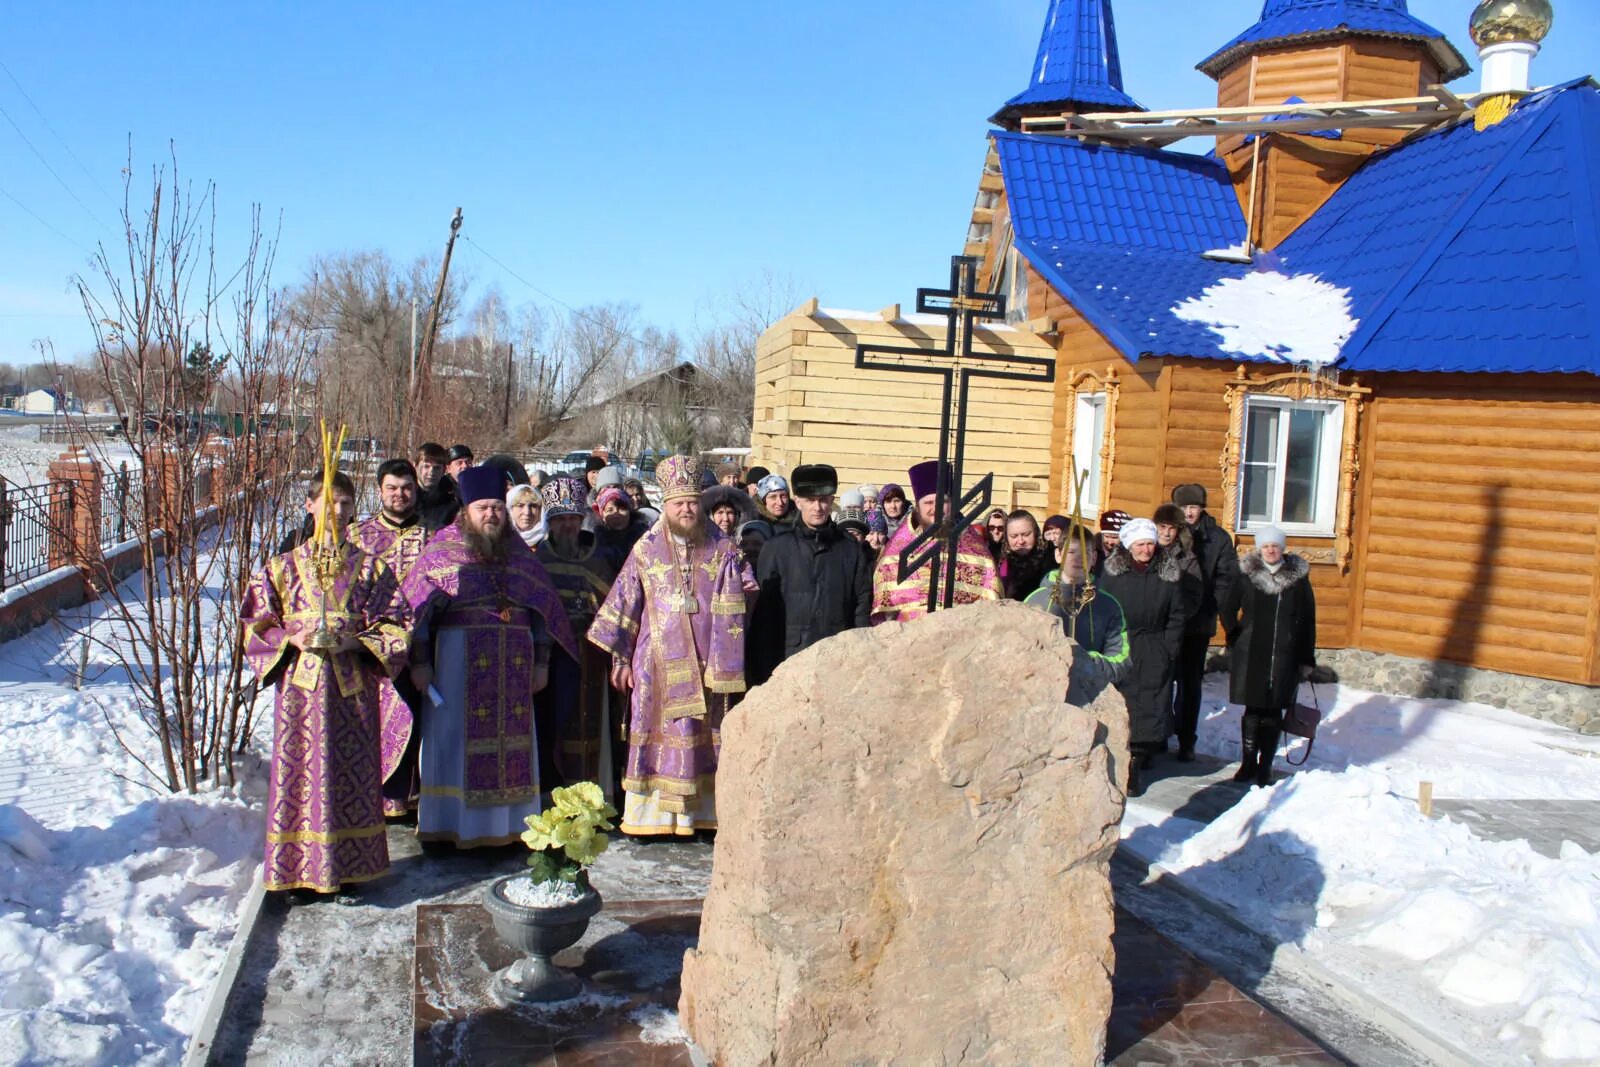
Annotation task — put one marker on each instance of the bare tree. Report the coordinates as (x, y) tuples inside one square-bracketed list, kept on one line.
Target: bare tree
[(208, 489), (357, 305), (725, 352)]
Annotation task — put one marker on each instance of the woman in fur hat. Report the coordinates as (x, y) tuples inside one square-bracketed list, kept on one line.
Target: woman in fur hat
[(1270, 618), (1146, 582), (727, 507)]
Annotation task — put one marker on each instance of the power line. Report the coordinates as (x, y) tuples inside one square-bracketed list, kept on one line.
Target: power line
[(46, 164), (33, 215), (59, 139), (646, 345)]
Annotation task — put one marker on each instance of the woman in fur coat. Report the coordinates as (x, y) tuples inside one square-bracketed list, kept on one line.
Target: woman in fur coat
[(1146, 583), (1270, 618)]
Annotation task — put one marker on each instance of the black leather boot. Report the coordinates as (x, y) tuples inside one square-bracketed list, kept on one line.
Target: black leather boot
[(1267, 735), (1247, 749), (1135, 778)]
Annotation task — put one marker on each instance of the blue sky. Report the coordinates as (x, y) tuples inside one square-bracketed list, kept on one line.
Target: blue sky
[(651, 152)]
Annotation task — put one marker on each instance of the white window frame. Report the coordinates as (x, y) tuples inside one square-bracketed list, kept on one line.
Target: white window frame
[(1088, 444), (1328, 481)]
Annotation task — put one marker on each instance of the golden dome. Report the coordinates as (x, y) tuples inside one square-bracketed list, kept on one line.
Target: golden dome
[(1503, 21)]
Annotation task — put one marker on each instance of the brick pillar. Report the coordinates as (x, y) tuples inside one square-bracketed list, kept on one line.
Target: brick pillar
[(163, 486), (218, 458), (75, 484)]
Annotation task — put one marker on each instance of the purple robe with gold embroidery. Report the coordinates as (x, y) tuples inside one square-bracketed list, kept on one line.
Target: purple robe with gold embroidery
[(324, 811), (685, 667), (483, 627), (399, 546), (897, 601)]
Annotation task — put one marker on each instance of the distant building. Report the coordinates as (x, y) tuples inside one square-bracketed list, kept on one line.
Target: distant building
[(44, 402)]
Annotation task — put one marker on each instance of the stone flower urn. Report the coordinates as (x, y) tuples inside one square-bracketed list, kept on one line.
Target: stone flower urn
[(538, 933)]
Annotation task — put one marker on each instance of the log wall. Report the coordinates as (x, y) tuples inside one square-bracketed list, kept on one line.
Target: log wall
[(813, 405), (1481, 509)]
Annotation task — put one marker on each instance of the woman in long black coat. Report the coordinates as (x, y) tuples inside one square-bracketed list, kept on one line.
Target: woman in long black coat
[(1270, 618), (1146, 583)]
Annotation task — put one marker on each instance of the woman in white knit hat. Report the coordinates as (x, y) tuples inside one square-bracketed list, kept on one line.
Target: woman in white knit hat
[(1270, 619), (1146, 584)]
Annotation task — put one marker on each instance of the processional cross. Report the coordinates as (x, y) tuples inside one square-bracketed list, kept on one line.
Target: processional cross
[(956, 364)]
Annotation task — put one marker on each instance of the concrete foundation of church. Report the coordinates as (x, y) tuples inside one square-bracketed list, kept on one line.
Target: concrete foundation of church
[(1566, 704)]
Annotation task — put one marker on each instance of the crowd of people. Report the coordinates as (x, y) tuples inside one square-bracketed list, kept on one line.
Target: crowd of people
[(486, 636)]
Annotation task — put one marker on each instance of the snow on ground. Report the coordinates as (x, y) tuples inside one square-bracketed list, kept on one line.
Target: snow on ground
[(24, 458), (1486, 942), (117, 910), (1296, 318)]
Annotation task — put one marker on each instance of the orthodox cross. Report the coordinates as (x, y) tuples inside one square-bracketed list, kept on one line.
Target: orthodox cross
[(956, 364)]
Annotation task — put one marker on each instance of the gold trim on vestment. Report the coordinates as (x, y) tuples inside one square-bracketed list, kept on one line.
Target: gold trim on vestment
[(495, 744), (300, 837), (728, 683), (698, 739), (491, 798), (676, 787), (728, 605), (676, 675), (278, 887)]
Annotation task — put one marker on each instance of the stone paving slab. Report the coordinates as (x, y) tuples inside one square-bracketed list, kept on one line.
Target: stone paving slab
[(1543, 824), (329, 983), (1168, 1008)]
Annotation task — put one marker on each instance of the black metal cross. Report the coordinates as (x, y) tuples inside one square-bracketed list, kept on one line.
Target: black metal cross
[(957, 364)]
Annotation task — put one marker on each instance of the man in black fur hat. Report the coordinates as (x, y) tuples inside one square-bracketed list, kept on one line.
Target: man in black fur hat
[(815, 580)]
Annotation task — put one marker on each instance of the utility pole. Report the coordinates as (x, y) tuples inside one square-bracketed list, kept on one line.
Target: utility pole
[(412, 383), (511, 352), (424, 361)]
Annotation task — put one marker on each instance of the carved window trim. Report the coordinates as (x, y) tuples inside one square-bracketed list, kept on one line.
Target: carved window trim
[(1087, 381), (1298, 385)]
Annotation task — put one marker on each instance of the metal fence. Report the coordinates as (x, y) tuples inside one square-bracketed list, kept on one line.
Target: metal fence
[(25, 518), (121, 506), (29, 526)]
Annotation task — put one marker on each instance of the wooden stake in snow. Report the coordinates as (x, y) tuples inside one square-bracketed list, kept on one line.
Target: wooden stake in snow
[(1425, 799), (83, 665)]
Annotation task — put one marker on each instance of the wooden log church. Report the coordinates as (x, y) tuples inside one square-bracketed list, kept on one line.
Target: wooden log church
[(1366, 315)]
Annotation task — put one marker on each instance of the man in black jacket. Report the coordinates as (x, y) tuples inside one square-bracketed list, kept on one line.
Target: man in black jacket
[(1219, 570), (437, 502), (815, 580)]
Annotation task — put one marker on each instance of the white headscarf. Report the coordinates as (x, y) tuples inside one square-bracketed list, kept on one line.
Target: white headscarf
[(533, 536)]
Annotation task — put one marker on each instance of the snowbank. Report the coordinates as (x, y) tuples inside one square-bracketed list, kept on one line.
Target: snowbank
[(1486, 942), (117, 901)]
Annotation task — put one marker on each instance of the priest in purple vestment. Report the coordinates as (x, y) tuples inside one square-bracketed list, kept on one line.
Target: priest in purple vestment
[(674, 626), (396, 536), (325, 823), (488, 622)]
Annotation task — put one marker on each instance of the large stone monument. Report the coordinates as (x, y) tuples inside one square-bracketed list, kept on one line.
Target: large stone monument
[(912, 860)]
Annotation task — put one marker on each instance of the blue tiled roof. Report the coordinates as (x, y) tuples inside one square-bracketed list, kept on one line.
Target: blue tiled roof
[(1077, 61), (1469, 251), (1461, 250), (1287, 21), (1119, 233)]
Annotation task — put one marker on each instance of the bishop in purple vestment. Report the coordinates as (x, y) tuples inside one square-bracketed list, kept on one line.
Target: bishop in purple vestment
[(674, 626), (325, 823), (488, 622), (396, 536)]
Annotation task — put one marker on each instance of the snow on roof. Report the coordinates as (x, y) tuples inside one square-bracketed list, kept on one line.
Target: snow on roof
[(1295, 318)]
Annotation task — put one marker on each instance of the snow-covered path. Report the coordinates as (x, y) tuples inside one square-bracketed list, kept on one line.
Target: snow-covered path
[(1486, 942)]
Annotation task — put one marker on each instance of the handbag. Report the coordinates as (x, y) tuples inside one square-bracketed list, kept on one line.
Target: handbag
[(1302, 720)]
